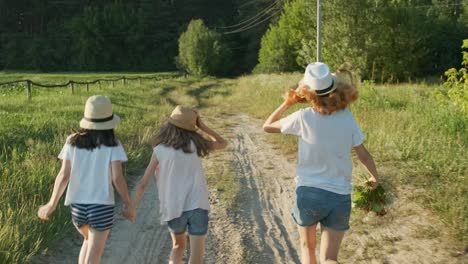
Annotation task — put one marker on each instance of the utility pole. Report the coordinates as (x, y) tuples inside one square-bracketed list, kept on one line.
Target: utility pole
[(319, 35)]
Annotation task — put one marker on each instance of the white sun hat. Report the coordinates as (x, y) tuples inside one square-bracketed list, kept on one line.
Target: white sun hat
[(98, 114), (319, 79)]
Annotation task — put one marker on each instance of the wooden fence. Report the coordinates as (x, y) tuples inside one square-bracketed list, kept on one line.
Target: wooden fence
[(71, 83)]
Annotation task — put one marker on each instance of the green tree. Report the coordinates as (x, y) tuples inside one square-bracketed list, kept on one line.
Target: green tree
[(383, 40), (281, 44), (201, 51)]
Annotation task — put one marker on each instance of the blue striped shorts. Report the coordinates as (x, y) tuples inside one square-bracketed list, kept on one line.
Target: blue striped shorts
[(99, 216)]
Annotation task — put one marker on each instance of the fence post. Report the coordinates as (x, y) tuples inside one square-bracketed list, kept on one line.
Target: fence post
[(124, 82), (29, 90), (87, 87), (72, 87), (99, 85)]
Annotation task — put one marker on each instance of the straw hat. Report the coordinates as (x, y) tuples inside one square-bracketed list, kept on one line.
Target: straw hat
[(319, 79), (98, 114), (184, 117)]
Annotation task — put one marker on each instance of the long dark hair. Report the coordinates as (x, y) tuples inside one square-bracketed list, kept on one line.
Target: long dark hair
[(90, 139), (179, 138)]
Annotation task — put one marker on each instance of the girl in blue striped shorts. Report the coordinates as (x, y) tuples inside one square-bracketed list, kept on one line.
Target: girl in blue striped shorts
[(91, 163)]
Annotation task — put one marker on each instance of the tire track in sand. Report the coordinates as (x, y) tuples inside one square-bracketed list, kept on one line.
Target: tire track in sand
[(268, 232)]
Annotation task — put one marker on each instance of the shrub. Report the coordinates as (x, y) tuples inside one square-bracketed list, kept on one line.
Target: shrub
[(201, 51), (457, 83)]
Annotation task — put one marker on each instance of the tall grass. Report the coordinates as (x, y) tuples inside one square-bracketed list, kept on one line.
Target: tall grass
[(406, 129), (32, 134)]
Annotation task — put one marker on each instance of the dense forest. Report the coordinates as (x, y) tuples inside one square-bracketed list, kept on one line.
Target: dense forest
[(385, 40), (122, 35)]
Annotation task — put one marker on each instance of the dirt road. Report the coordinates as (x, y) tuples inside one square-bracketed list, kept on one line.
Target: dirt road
[(261, 230)]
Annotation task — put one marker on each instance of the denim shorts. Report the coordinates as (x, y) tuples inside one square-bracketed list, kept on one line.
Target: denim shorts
[(99, 216), (196, 220), (314, 205)]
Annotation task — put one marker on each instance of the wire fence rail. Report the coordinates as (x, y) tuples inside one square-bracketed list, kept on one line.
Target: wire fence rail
[(71, 83)]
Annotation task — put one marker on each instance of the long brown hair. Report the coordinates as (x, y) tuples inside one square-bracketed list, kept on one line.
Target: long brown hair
[(179, 138), (90, 139), (344, 94)]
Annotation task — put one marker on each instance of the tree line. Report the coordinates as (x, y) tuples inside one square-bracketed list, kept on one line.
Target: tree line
[(384, 40), (118, 35)]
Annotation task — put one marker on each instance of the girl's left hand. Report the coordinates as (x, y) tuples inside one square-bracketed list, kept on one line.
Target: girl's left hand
[(45, 211), (372, 182)]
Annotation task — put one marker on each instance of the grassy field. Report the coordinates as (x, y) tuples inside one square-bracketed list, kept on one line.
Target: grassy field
[(406, 130), (32, 134), (423, 142)]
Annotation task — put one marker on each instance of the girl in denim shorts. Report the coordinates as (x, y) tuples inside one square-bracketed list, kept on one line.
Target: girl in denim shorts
[(182, 188), (327, 132), (91, 162)]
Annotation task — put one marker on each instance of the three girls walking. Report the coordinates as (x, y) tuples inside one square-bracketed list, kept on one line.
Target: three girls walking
[(92, 164)]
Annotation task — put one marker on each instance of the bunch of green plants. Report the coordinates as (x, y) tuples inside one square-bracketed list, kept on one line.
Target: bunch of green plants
[(370, 200)]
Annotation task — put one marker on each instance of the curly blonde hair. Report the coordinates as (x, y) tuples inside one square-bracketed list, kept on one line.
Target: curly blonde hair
[(344, 94)]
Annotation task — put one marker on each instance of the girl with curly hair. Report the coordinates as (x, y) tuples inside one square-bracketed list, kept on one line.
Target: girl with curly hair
[(327, 133)]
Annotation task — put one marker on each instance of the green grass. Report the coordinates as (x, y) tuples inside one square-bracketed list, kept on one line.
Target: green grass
[(406, 129)]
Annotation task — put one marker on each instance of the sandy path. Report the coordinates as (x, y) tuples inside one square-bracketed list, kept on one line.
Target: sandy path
[(268, 232), (145, 240)]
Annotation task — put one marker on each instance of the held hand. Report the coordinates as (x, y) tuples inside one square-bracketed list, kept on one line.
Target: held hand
[(129, 212), (372, 183), (45, 211)]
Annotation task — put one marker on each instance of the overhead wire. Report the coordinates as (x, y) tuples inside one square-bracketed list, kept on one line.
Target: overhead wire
[(254, 25), (418, 6), (248, 3), (257, 16)]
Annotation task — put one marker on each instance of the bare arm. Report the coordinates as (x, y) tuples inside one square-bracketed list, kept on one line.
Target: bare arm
[(61, 182), (145, 180), (121, 186), (217, 142), (272, 124), (366, 159)]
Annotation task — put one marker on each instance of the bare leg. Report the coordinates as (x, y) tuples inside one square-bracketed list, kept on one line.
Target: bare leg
[(96, 244), (179, 243), (307, 236), (84, 232), (330, 245), (197, 249)]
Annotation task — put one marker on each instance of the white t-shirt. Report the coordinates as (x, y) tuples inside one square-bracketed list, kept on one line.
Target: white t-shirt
[(325, 144), (181, 182), (91, 179)]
